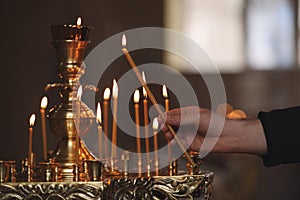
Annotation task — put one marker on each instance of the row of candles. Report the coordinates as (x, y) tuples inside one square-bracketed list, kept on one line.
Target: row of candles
[(103, 152), (103, 125), (146, 92)]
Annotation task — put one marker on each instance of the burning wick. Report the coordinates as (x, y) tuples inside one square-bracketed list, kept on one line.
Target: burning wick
[(146, 121), (106, 96), (165, 95), (136, 99), (44, 104), (115, 92), (31, 124), (78, 23)]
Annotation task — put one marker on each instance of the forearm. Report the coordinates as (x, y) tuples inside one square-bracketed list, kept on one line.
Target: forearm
[(242, 136)]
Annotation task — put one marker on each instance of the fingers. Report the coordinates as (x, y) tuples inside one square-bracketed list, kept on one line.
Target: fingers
[(183, 116), (187, 116)]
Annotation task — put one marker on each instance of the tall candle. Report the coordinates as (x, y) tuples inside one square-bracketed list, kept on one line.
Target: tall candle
[(31, 124), (115, 119), (44, 104), (146, 121), (165, 95), (136, 99), (78, 102), (78, 24), (106, 96), (155, 127), (99, 120), (152, 99)]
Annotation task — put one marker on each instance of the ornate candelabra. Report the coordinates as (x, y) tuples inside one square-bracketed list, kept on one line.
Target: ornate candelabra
[(70, 42), (72, 171)]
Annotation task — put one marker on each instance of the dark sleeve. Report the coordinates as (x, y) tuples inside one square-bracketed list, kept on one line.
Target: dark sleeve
[(282, 131)]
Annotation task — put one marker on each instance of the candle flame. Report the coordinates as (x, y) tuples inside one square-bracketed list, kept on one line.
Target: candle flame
[(124, 41), (155, 124), (32, 120), (106, 93), (99, 119), (136, 96), (78, 21), (164, 91), (144, 90), (44, 102), (115, 89), (79, 93)]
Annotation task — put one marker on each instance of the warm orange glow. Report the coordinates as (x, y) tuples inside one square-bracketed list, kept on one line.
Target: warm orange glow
[(224, 109), (44, 102), (115, 89), (236, 114), (164, 91), (136, 96), (124, 41), (106, 93), (144, 90), (32, 120), (79, 93), (155, 124), (241, 113), (99, 118), (78, 21)]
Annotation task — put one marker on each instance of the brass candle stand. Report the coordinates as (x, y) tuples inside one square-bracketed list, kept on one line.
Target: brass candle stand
[(70, 47), (72, 172)]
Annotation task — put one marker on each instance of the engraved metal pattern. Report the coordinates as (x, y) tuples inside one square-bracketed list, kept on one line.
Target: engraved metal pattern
[(50, 191), (163, 187), (119, 188)]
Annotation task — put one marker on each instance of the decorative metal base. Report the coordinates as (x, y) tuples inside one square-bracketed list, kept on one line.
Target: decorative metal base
[(159, 187)]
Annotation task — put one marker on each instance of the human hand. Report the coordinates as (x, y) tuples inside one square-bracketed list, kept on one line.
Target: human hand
[(203, 127)]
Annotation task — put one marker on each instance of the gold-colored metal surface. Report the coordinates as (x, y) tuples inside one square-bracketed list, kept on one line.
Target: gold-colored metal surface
[(152, 188), (72, 172), (62, 117)]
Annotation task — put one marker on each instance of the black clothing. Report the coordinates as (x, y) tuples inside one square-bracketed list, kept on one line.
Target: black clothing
[(282, 131)]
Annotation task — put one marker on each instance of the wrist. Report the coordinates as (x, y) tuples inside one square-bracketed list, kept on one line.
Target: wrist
[(244, 136)]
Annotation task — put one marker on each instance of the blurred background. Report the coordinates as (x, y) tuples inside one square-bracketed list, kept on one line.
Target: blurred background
[(254, 43)]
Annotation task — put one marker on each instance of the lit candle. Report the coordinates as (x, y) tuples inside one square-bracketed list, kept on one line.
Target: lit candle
[(44, 104), (165, 95), (136, 99), (78, 24), (115, 119), (155, 127), (152, 99), (99, 120), (146, 121), (106, 96), (78, 102), (31, 124)]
